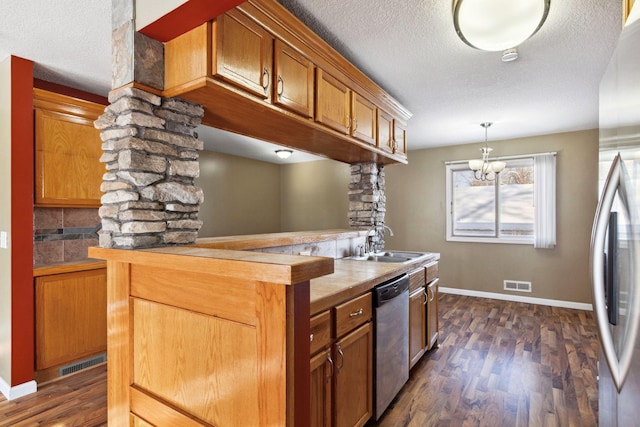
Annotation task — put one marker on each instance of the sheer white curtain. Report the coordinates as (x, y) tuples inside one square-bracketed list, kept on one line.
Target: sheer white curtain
[(545, 194)]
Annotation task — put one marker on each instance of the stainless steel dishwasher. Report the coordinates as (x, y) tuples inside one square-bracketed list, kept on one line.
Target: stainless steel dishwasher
[(391, 341)]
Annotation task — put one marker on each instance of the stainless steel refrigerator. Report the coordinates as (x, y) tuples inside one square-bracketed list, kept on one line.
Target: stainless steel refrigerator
[(615, 241)]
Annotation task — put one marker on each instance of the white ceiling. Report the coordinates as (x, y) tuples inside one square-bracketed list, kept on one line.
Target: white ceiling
[(408, 47)]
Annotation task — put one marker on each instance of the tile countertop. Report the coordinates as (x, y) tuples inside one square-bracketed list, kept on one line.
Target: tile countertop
[(352, 278)]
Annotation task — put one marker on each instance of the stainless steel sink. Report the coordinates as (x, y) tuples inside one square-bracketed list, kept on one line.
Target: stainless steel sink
[(389, 256)]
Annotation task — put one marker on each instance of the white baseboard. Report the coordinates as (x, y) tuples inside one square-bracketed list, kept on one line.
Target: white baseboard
[(17, 391), (518, 298)]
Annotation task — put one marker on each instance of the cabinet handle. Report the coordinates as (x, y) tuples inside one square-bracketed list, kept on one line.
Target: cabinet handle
[(356, 313), (265, 79), (310, 337), (341, 358), (431, 295), (426, 296), (355, 124), (348, 122), (394, 146), (330, 360), (280, 86)]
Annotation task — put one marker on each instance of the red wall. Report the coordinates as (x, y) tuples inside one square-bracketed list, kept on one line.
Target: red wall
[(22, 155), (187, 17)]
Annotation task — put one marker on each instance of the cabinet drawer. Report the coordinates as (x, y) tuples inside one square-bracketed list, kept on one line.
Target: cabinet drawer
[(416, 279), (320, 331), (352, 314), (432, 271)]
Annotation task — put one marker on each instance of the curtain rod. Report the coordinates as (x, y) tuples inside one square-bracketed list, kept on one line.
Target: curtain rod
[(521, 156)]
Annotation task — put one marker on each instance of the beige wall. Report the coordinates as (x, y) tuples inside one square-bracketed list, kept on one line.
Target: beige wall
[(416, 211), (5, 219), (314, 196), (241, 196)]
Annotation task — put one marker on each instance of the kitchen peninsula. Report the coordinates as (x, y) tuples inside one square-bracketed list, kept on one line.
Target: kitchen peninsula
[(232, 322)]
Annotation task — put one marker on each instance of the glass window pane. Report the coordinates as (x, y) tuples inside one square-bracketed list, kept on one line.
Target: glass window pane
[(516, 199), (473, 205)]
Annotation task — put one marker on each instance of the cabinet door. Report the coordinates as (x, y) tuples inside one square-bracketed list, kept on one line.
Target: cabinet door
[(400, 138), (363, 123), (243, 53), (71, 316), (68, 169), (417, 325), (293, 80), (321, 382), (353, 392), (332, 102), (432, 314), (384, 139)]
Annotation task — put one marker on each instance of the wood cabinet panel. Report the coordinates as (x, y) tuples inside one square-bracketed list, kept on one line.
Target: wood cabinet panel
[(384, 136), (332, 102), (71, 317), (353, 313), (353, 386), (363, 121), (400, 137), (294, 80), (433, 324), (321, 389), (68, 171), (432, 271), (417, 325), (416, 279), (243, 53), (320, 329)]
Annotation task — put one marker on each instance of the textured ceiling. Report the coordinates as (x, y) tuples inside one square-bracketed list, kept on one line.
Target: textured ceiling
[(408, 47)]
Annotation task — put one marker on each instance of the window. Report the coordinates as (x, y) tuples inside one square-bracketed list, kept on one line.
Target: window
[(518, 207)]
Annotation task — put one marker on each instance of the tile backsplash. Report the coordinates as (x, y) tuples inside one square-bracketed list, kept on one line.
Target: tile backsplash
[(63, 234)]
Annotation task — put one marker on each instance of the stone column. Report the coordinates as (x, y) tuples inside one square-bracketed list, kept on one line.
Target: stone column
[(150, 147), (367, 200), (151, 155)]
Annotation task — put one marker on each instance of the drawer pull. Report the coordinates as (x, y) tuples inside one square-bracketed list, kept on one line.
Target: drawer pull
[(356, 313), (310, 337)]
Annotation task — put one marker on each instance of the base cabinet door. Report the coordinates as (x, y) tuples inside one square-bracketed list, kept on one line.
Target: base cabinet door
[(417, 325), (321, 384), (353, 392), (71, 317), (432, 314)]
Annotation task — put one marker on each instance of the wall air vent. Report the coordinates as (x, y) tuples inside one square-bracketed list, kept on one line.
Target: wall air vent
[(82, 364), (515, 285)]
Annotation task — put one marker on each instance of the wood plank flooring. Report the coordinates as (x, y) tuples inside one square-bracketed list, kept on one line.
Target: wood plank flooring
[(499, 364), (503, 364)]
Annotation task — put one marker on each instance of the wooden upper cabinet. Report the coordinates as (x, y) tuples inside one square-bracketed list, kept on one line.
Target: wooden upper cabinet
[(68, 172), (332, 102), (400, 137), (243, 53), (293, 76), (363, 119), (384, 138)]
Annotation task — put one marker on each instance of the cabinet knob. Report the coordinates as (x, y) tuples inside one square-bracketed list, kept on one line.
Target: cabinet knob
[(310, 337)]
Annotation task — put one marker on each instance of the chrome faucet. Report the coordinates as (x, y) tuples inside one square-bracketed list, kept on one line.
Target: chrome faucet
[(369, 243)]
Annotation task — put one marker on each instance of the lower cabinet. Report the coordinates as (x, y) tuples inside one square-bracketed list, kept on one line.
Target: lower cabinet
[(417, 325), (432, 314), (342, 365), (70, 317)]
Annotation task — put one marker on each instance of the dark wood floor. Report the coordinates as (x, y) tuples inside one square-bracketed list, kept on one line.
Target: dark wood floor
[(504, 364), (499, 364)]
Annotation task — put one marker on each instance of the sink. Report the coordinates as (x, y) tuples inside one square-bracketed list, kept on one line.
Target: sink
[(389, 256), (380, 258)]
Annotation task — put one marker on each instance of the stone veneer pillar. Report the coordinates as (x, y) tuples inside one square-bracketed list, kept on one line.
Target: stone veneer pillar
[(367, 200), (151, 155)]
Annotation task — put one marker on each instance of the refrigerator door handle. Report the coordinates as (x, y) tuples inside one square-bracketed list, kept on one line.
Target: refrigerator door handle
[(619, 367)]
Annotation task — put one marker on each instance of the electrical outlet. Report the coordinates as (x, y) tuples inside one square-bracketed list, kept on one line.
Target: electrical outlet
[(3, 239), (307, 253)]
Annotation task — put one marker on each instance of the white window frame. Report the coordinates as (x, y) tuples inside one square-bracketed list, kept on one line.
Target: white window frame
[(522, 240)]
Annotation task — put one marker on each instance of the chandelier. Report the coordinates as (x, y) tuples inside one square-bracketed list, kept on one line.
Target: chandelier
[(496, 25), (483, 169)]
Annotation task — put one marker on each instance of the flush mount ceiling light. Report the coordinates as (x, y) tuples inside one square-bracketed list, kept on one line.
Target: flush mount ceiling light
[(496, 25), (483, 169), (284, 154)]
